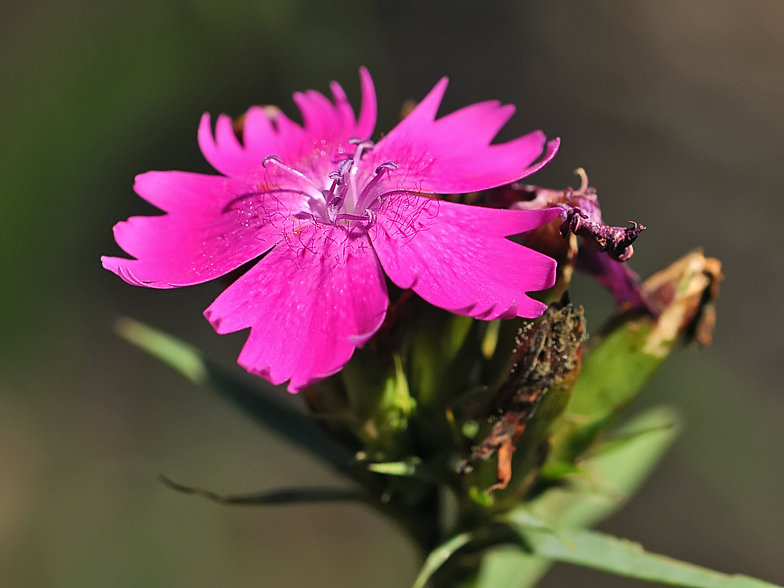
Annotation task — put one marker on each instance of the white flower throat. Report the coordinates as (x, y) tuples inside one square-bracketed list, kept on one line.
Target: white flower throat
[(347, 201)]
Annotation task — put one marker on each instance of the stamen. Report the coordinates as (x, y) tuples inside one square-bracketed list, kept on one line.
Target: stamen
[(369, 218), (336, 198), (362, 146), (334, 207), (358, 141), (280, 165), (329, 194), (384, 167), (344, 166)]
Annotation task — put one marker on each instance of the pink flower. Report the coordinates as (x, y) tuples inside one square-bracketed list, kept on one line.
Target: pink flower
[(331, 210)]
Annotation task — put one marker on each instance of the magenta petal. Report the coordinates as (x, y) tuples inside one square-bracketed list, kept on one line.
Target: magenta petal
[(345, 113), (210, 230), (549, 153), (224, 152), (259, 135), (327, 126), (309, 303), (321, 119), (367, 114), (425, 112), (296, 146), (482, 120), (453, 257), (287, 140), (494, 222), (453, 154)]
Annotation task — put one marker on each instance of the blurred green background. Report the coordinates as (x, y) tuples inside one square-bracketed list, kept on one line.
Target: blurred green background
[(675, 110)]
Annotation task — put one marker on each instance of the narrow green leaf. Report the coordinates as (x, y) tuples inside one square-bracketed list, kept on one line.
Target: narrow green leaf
[(290, 424), (439, 556), (510, 568), (523, 518), (626, 558), (257, 403), (282, 496), (614, 473), (182, 357)]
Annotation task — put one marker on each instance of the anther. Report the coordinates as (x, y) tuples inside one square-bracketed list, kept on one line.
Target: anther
[(367, 143), (269, 158), (279, 163), (362, 146), (371, 219), (344, 166)]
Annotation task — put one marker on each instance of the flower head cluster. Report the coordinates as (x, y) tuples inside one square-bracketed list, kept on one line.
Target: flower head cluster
[(331, 213)]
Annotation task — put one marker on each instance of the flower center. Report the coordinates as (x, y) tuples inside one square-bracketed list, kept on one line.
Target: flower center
[(351, 198)]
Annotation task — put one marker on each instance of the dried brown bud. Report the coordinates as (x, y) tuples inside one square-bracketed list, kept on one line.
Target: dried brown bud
[(547, 357), (684, 294)]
